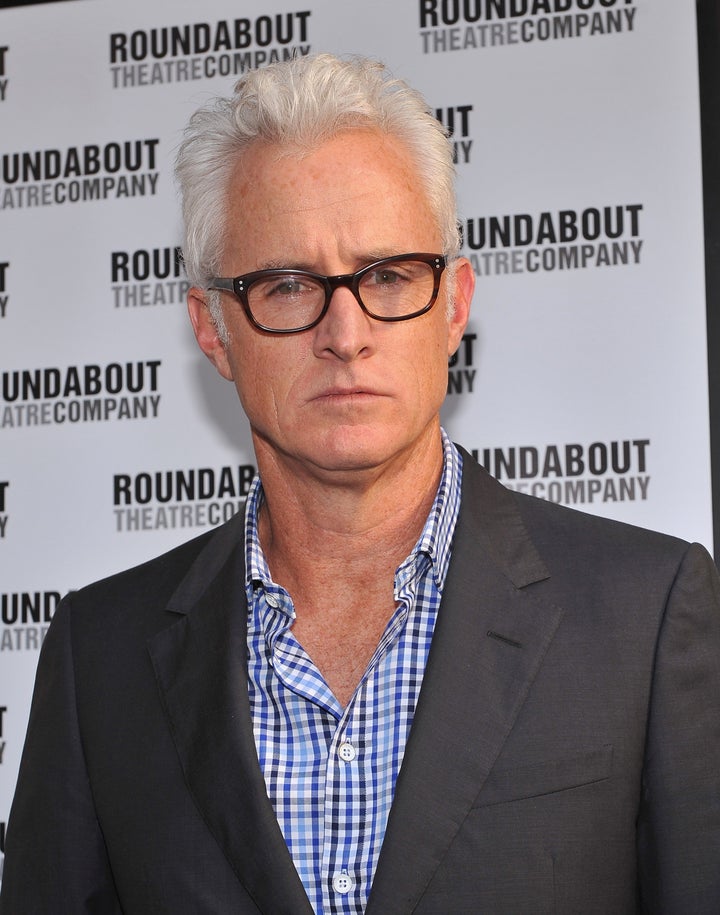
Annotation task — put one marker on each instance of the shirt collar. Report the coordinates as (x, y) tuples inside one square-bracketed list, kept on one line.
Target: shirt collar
[(435, 540)]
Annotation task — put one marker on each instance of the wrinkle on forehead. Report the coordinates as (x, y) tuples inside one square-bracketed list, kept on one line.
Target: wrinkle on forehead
[(322, 205)]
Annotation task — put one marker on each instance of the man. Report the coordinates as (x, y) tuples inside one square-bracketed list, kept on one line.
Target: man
[(393, 686)]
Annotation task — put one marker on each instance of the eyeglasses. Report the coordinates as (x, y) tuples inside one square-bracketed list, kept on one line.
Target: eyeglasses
[(288, 301)]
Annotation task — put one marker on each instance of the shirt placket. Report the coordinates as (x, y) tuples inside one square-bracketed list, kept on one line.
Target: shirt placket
[(351, 798)]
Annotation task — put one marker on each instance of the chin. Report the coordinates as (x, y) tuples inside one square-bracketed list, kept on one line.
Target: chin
[(355, 449)]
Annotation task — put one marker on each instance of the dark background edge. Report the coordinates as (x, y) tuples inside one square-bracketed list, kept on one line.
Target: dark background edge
[(708, 31)]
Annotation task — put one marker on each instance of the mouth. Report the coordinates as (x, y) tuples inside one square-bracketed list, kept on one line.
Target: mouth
[(346, 395)]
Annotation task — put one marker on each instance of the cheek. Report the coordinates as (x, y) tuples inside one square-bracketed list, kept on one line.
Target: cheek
[(431, 359), (247, 373), (266, 376), (423, 376)]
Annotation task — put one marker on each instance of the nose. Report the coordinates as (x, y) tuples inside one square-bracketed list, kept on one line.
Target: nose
[(345, 331)]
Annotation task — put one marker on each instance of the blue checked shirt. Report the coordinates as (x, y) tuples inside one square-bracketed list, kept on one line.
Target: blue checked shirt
[(330, 772)]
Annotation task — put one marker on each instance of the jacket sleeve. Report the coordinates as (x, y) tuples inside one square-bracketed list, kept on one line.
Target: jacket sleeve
[(679, 817), (55, 857)]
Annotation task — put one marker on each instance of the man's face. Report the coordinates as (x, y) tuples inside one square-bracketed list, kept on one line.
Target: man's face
[(352, 393)]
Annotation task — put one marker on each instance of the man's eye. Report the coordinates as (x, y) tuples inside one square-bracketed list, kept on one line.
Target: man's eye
[(386, 278), (288, 286)]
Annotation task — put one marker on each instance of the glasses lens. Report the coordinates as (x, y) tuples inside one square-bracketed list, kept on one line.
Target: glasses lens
[(398, 288), (284, 301)]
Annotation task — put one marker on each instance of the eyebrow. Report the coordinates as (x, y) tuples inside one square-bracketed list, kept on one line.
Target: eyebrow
[(307, 267)]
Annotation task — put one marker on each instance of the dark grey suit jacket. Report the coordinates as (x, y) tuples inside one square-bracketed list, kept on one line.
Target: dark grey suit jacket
[(564, 758)]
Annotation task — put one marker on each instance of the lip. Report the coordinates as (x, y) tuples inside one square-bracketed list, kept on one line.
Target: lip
[(343, 393)]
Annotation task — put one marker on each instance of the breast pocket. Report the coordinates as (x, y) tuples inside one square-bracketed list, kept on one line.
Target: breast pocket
[(546, 777)]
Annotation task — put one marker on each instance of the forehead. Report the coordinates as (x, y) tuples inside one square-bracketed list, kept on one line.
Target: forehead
[(359, 189), (358, 152)]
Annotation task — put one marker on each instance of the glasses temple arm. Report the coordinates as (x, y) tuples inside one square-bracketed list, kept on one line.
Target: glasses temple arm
[(219, 282)]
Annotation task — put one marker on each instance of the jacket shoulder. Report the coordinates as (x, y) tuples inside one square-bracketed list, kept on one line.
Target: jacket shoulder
[(189, 566), (567, 540)]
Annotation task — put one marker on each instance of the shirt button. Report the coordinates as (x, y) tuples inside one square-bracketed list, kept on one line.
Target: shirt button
[(347, 752), (271, 600), (343, 883)]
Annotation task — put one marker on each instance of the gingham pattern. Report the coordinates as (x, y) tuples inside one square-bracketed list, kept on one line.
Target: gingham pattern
[(331, 772)]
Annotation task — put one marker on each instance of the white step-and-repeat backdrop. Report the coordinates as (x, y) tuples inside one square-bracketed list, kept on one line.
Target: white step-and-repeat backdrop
[(582, 378)]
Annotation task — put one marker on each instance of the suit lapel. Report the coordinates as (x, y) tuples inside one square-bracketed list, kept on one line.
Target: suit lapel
[(200, 665), (489, 642)]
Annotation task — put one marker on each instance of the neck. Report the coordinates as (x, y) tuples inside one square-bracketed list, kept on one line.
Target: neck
[(349, 527), (334, 541)]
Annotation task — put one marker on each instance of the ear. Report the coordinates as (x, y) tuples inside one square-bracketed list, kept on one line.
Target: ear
[(206, 332), (464, 287)]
